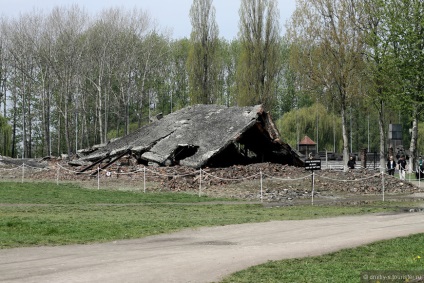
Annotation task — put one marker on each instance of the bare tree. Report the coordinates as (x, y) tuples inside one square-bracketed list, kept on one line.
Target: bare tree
[(179, 74), (328, 52), (68, 25), (23, 78)]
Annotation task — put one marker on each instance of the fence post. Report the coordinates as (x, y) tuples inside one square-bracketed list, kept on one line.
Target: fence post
[(261, 187), (57, 174), (98, 177), (200, 182), (382, 178), (23, 172), (144, 179), (313, 187)]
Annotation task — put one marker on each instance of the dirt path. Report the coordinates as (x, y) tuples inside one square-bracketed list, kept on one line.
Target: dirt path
[(202, 255)]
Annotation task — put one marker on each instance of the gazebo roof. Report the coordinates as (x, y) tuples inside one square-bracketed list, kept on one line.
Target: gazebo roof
[(307, 141)]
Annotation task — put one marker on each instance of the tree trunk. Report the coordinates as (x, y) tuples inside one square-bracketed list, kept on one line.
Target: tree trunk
[(14, 127), (67, 129), (99, 110), (106, 115), (383, 157), (345, 137), (413, 144), (46, 119)]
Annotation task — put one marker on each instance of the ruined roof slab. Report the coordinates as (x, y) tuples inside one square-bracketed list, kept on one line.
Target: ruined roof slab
[(192, 135)]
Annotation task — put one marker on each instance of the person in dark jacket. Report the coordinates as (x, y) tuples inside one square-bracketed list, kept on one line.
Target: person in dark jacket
[(351, 163), (391, 166)]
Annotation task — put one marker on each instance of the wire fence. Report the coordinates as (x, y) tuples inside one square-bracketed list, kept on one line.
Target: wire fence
[(201, 176)]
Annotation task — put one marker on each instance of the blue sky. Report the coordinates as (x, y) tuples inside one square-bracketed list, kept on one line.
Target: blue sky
[(169, 14)]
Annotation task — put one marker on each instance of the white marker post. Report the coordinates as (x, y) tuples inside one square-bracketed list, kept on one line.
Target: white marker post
[(261, 187), (200, 182), (313, 187), (313, 164), (382, 180), (144, 179)]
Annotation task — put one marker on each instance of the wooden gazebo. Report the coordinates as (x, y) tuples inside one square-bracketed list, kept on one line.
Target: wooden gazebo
[(307, 146)]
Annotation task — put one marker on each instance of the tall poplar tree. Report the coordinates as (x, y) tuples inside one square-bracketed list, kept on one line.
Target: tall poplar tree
[(202, 62), (406, 24), (380, 79), (260, 56), (328, 52)]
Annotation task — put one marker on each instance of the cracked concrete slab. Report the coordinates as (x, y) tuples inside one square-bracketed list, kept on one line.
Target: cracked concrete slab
[(205, 135)]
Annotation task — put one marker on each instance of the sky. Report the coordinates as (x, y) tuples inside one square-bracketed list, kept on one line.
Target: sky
[(172, 15)]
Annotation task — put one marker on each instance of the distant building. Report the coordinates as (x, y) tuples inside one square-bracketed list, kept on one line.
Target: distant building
[(395, 140), (307, 146)]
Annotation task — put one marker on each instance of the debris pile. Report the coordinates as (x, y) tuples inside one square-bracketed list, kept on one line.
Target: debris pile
[(273, 182)]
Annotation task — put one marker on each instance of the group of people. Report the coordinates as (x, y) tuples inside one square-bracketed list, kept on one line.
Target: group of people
[(402, 166), (392, 165)]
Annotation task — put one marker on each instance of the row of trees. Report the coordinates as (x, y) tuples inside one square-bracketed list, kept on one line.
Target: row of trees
[(367, 54), (68, 81)]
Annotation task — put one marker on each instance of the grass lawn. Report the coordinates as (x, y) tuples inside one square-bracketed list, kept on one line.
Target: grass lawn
[(401, 257), (48, 214)]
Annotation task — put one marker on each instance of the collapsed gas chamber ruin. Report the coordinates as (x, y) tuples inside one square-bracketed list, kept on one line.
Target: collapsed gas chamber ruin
[(202, 136)]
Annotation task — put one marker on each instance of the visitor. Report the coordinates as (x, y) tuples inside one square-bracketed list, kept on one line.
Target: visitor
[(351, 163), (391, 166), (419, 170), (402, 167)]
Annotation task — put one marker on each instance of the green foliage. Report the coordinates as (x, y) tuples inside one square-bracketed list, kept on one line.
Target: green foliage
[(227, 92), (5, 137), (288, 95), (203, 62), (179, 75), (260, 55), (420, 142), (113, 72), (294, 125), (406, 24), (112, 134)]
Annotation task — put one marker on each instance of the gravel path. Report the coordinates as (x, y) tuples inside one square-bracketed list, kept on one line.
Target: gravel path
[(201, 255)]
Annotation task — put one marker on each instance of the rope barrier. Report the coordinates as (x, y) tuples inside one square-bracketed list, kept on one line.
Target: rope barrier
[(205, 173), (168, 175), (76, 172), (231, 179), (287, 179), (35, 168), (347, 180), (11, 169), (202, 174)]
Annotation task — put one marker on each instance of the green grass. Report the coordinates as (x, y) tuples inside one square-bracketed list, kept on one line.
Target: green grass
[(48, 214), (50, 193), (405, 254), (408, 176)]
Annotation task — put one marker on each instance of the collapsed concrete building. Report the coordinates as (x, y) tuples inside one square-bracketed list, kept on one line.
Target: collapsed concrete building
[(203, 136)]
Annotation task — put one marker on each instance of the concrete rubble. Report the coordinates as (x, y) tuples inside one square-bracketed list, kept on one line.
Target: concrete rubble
[(202, 136)]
